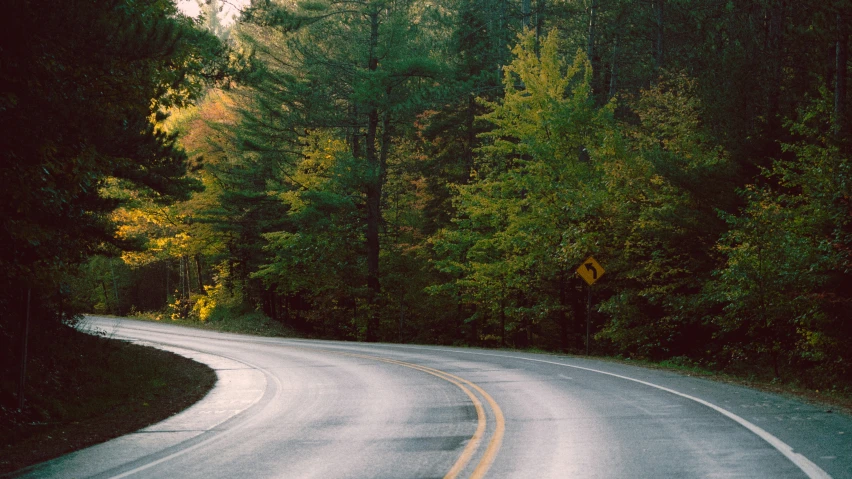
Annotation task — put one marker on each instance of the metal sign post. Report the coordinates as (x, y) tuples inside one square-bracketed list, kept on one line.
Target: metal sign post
[(25, 332), (588, 317), (590, 271)]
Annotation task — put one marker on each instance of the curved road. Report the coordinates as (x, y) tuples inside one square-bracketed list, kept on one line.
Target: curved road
[(288, 408)]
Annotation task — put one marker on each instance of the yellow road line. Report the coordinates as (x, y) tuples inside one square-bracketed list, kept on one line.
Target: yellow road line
[(499, 430), (496, 438), (473, 445)]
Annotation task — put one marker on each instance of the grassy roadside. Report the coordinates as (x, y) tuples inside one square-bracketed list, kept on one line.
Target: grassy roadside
[(83, 390), (836, 398), (228, 321)]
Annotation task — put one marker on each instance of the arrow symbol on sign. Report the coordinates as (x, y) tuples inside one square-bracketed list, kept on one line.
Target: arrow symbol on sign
[(591, 267)]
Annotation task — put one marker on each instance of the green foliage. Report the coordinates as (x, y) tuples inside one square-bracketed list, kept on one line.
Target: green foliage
[(664, 187), (522, 222), (83, 86), (771, 260), (786, 282), (316, 256)]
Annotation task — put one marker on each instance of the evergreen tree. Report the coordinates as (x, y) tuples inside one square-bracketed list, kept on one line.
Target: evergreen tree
[(355, 69)]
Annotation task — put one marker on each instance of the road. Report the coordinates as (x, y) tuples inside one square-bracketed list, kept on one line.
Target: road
[(285, 408)]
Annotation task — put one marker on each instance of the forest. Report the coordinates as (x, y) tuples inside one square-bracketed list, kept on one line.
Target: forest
[(435, 171)]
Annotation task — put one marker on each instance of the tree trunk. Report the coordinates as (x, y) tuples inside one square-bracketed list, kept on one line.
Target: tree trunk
[(374, 193), (842, 60), (562, 317), (470, 137), (356, 131), (401, 317), (355, 318), (503, 319), (590, 46), (106, 297), (659, 51), (182, 290), (613, 78), (114, 286), (288, 320), (198, 273), (187, 271), (774, 47), (166, 265), (540, 6), (499, 45), (25, 336), (591, 52)]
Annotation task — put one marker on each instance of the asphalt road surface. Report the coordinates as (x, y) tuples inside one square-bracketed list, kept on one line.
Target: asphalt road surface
[(287, 408)]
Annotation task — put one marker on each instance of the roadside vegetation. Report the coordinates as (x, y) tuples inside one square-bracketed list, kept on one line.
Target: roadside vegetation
[(837, 397), (227, 320)]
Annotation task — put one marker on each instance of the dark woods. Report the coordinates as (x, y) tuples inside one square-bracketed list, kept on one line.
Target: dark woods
[(81, 84)]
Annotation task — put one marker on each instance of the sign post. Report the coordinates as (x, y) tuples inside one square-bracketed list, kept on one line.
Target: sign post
[(590, 271), (588, 316), (25, 332)]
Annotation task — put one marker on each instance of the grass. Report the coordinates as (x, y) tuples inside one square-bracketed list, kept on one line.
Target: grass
[(794, 384), (83, 390), (837, 397), (229, 320)]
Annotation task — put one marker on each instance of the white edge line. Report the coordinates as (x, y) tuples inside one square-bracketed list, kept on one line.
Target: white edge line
[(208, 440), (809, 468)]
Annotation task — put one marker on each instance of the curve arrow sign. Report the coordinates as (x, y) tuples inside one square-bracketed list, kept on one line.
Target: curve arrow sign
[(591, 267), (590, 271)]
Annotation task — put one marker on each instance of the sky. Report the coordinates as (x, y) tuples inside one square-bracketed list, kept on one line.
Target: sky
[(190, 8)]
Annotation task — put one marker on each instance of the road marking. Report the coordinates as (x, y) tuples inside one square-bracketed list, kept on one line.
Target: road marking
[(473, 444), (500, 422), (496, 439), (809, 468)]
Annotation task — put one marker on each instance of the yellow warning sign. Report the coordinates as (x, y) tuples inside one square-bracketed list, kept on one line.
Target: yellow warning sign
[(590, 271)]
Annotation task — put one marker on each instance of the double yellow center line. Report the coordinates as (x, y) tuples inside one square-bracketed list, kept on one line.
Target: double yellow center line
[(473, 445)]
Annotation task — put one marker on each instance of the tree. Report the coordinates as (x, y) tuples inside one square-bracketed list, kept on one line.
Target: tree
[(521, 224), (786, 284), (665, 183), (79, 89), (361, 68)]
